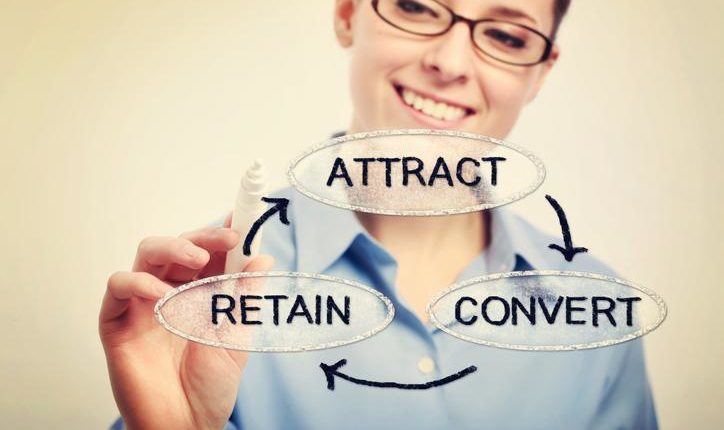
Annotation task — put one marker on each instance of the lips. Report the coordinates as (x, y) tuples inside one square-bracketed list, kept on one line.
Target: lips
[(440, 112)]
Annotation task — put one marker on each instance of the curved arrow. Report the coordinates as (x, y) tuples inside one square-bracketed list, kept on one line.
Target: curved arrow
[(569, 251), (330, 371), (280, 205)]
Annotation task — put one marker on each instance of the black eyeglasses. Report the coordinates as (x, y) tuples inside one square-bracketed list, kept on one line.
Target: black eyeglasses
[(505, 41)]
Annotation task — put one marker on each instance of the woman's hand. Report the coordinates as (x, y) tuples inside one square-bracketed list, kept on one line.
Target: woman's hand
[(161, 380)]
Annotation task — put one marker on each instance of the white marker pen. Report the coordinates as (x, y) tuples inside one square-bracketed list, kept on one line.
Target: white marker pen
[(248, 208)]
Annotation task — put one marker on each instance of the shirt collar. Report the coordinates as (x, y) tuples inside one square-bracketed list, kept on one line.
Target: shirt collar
[(500, 256), (323, 233), (522, 239)]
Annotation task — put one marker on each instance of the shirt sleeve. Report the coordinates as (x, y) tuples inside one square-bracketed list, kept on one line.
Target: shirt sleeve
[(117, 425), (627, 402)]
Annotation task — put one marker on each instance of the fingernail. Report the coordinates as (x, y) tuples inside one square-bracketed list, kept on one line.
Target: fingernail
[(229, 234), (162, 289), (192, 251)]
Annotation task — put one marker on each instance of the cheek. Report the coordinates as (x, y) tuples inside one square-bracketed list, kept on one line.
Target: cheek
[(505, 93), (374, 59)]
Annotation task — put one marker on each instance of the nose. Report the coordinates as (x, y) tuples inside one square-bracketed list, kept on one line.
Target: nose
[(450, 55)]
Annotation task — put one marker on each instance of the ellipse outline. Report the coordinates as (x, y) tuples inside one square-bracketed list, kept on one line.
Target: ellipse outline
[(663, 310), (534, 159), (272, 274)]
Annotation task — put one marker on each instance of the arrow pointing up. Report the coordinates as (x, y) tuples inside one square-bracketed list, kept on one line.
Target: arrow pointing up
[(280, 205), (569, 251), (330, 371)]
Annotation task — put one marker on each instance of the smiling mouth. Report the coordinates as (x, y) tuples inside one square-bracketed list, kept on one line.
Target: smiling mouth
[(434, 108)]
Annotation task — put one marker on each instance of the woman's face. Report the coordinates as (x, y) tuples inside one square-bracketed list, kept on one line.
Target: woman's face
[(390, 68)]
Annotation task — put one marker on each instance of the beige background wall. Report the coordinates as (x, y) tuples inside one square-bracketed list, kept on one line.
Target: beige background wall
[(121, 119)]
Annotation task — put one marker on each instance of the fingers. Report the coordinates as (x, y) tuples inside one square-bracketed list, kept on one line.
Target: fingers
[(218, 261), (123, 286), (156, 252), (184, 256), (213, 239), (194, 254), (261, 263)]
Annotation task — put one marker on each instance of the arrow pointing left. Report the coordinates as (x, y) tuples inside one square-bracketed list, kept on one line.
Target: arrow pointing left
[(280, 205), (332, 370)]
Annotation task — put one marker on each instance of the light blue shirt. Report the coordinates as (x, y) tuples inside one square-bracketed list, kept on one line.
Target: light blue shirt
[(603, 388)]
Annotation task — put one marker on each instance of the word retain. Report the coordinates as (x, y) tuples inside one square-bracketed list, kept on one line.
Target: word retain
[(225, 305), (498, 311), (413, 167)]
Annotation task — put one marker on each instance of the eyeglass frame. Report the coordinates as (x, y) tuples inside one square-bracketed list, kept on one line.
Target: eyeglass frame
[(471, 25)]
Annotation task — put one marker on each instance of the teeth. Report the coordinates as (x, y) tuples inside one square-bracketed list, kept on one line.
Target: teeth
[(408, 97), (429, 107), (452, 113), (417, 102), (440, 110)]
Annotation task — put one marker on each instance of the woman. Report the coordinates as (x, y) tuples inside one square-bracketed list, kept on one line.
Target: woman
[(414, 64)]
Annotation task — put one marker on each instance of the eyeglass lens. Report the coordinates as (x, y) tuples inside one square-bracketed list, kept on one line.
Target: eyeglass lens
[(506, 41)]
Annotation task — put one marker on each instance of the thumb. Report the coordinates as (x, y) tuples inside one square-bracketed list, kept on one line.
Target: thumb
[(260, 263)]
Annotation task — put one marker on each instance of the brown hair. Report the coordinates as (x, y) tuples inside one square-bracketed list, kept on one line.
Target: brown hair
[(560, 7)]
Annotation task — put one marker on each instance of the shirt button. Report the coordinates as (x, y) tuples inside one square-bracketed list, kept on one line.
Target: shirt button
[(426, 365)]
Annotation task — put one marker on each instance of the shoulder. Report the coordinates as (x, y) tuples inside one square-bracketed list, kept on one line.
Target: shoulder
[(532, 244)]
